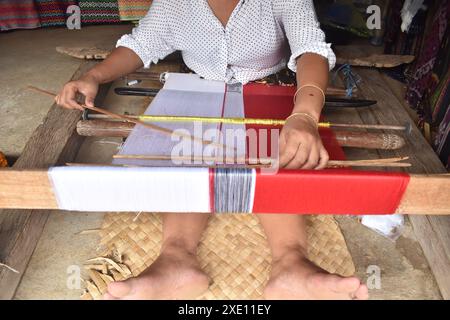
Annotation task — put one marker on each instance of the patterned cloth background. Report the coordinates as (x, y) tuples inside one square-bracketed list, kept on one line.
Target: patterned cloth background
[(53, 12), (99, 11), (29, 14), (133, 9), (18, 15)]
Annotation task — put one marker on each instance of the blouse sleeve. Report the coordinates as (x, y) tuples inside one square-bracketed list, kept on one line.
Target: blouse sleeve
[(151, 40), (303, 32)]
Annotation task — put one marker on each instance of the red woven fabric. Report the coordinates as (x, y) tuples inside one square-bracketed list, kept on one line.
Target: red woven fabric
[(331, 191)]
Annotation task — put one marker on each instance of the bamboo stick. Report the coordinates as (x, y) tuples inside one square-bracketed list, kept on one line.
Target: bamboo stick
[(138, 121), (387, 162), (250, 166)]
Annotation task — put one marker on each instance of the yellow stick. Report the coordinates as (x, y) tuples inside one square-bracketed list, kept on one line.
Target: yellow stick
[(257, 121), (268, 122)]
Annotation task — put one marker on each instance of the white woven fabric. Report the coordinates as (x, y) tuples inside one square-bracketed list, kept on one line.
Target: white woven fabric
[(189, 95), (131, 189)]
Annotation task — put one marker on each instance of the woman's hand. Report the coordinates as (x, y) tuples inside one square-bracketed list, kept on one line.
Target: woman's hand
[(86, 85), (300, 144)]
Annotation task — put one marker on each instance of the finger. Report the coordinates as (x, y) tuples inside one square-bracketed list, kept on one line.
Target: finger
[(283, 156), (313, 158), (64, 97), (89, 97), (289, 153), (300, 157), (324, 157), (62, 100), (89, 101), (69, 100), (281, 143)]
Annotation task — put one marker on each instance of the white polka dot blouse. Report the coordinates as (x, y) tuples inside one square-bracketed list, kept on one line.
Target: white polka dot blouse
[(260, 37)]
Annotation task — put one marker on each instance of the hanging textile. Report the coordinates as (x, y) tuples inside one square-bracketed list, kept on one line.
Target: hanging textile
[(53, 12), (439, 83), (428, 78), (404, 43), (443, 138), (439, 102), (99, 11), (18, 15), (133, 10), (422, 75)]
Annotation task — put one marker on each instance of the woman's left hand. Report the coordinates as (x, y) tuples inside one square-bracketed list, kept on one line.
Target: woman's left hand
[(301, 146)]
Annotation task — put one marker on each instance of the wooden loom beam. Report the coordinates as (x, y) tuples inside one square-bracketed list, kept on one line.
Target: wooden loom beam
[(55, 141), (357, 139), (21, 189)]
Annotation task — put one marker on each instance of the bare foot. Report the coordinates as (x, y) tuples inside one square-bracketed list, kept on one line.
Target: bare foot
[(293, 277), (175, 274)]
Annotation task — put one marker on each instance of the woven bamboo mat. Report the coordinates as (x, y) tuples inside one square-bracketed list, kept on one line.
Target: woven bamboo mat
[(233, 252)]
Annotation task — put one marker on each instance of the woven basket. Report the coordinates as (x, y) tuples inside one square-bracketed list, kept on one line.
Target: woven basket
[(233, 252)]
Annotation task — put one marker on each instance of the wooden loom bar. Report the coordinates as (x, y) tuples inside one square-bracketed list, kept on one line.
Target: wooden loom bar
[(356, 139), (55, 141), (145, 75), (428, 194)]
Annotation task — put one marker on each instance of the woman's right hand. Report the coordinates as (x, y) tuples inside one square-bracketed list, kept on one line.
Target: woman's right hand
[(86, 85)]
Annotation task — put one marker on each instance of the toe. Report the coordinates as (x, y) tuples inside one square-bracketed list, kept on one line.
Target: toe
[(346, 284), (108, 296), (337, 284), (119, 289), (362, 293)]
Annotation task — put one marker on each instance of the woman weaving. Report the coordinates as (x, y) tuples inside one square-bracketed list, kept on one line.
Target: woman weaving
[(233, 40)]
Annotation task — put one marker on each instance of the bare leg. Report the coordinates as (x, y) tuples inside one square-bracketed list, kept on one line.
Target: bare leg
[(292, 275), (176, 273)]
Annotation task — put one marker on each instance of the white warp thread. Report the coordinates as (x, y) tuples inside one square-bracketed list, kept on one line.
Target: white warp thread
[(183, 94), (192, 82), (161, 187), (131, 189)]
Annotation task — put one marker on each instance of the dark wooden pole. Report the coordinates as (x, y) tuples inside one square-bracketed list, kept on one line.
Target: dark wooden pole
[(354, 139)]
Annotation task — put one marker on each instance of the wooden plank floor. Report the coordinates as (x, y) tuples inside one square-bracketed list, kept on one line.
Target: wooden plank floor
[(433, 232), (54, 142)]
